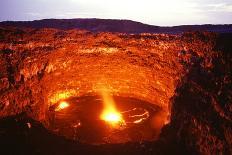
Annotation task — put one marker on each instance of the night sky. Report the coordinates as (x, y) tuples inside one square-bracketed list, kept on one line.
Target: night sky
[(155, 12)]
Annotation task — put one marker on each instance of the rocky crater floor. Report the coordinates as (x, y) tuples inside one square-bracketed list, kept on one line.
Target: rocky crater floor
[(188, 76)]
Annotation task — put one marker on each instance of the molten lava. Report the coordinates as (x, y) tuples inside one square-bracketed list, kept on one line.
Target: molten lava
[(105, 118), (62, 105), (110, 113), (112, 117)]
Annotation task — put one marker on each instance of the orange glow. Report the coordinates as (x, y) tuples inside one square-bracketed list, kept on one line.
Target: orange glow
[(112, 117), (62, 105), (110, 113), (137, 114), (61, 95), (159, 120)]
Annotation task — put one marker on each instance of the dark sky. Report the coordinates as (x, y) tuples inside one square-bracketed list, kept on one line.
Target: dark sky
[(155, 12)]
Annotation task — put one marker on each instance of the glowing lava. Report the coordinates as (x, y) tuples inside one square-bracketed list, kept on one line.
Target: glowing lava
[(62, 105), (112, 117), (110, 113)]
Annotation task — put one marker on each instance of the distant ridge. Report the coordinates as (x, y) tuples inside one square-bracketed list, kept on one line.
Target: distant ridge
[(113, 25)]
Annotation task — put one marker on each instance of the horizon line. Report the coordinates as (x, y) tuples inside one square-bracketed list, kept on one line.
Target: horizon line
[(1, 21)]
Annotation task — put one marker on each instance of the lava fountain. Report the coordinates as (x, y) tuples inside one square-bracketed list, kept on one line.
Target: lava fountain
[(110, 113)]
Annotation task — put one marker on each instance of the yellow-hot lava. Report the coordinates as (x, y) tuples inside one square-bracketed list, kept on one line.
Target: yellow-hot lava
[(110, 113), (112, 117), (62, 105)]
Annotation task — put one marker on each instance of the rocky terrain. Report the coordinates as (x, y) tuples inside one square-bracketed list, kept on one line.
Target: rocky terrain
[(188, 76), (114, 25)]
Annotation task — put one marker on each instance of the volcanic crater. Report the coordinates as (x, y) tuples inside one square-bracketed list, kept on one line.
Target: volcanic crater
[(186, 76)]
